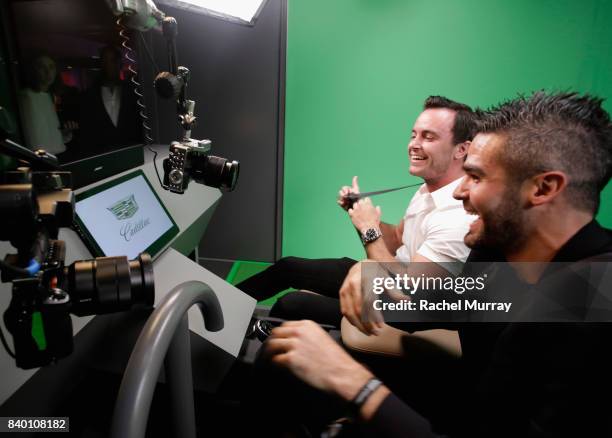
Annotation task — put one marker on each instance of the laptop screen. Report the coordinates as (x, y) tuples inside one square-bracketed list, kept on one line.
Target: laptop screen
[(124, 217)]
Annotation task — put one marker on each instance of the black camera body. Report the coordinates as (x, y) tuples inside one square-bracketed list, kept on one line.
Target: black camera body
[(191, 159), (34, 204), (31, 201), (38, 316)]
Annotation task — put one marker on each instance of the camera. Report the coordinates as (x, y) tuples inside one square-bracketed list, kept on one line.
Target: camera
[(38, 316), (191, 160), (35, 201)]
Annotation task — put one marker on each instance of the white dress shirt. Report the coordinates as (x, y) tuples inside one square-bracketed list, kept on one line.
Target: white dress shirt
[(434, 226), (111, 96)]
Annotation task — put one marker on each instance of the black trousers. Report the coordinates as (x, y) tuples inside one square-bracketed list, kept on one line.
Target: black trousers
[(428, 386), (323, 276)]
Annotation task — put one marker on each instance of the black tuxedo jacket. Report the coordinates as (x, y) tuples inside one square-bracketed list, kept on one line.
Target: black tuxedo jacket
[(97, 131)]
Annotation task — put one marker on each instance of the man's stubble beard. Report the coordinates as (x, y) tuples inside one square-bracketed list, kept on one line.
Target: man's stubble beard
[(506, 228)]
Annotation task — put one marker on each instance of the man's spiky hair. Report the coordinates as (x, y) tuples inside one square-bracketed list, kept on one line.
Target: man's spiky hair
[(566, 132)]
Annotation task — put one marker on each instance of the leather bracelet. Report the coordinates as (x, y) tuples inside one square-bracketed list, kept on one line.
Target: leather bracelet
[(364, 394)]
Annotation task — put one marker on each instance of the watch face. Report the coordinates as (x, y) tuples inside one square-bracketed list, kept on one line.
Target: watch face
[(370, 235)]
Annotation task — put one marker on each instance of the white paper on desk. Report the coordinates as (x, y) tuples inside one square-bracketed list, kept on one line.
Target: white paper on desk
[(173, 268)]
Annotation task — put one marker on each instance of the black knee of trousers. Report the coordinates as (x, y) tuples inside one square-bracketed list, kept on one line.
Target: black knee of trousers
[(305, 305), (290, 306), (285, 264)]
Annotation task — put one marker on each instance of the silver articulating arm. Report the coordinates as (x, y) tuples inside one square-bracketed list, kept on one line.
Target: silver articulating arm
[(189, 158)]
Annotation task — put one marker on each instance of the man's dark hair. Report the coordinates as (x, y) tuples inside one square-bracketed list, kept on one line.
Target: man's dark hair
[(566, 132), (465, 126)]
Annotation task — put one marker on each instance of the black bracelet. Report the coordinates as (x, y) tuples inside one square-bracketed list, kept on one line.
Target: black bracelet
[(364, 394)]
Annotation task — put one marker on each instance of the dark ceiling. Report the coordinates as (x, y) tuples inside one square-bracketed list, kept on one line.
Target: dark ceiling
[(66, 29)]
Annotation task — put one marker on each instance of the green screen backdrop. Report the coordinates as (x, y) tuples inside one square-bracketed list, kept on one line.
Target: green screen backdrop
[(359, 70)]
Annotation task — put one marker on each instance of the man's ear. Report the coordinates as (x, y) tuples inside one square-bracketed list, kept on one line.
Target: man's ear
[(545, 187), (461, 150)]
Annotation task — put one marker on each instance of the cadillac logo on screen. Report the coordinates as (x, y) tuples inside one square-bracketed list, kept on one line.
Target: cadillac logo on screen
[(124, 209)]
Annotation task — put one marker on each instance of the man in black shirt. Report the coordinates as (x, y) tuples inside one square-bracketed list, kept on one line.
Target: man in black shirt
[(534, 176)]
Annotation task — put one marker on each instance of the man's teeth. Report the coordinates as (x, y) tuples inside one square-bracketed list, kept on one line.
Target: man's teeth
[(416, 157)]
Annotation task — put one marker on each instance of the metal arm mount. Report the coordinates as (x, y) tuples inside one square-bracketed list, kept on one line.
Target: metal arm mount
[(165, 335), (180, 73)]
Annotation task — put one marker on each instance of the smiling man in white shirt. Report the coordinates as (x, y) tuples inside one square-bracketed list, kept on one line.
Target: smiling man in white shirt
[(434, 224), (432, 229)]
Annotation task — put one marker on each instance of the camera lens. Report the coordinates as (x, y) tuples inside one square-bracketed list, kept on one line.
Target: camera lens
[(176, 176), (220, 173), (110, 284)]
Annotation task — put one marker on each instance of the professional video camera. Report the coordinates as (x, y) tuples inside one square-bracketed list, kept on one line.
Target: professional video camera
[(35, 201), (189, 159)]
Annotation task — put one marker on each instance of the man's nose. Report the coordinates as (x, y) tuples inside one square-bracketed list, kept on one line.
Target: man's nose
[(462, 190)]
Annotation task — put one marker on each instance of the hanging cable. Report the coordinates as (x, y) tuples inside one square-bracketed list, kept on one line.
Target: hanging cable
[(132, 68), (140, 98), (14, 270), (5, 344), (144, 44)]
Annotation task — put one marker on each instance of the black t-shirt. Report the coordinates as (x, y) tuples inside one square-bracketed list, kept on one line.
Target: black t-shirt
[(527, 379)]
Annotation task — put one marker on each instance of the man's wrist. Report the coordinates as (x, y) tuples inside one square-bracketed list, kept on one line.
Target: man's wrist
[(371, 405), (348, 384), (370, 234), (364, 227)]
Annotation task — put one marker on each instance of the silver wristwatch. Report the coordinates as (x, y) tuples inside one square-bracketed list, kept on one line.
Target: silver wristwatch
[(370, 235)]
